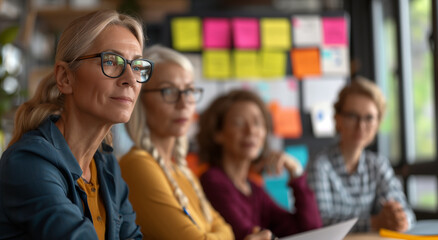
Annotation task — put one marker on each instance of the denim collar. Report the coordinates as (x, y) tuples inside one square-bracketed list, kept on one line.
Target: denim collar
[(51, 132)]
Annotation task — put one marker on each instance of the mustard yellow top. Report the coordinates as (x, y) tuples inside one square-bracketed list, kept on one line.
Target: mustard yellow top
[(95, 202), (159, 213)]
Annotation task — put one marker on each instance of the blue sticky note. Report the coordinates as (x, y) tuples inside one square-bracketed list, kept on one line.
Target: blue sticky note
[(276, 187)]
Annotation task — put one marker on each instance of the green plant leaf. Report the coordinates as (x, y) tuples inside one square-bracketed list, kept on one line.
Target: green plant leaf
[(8, 35)]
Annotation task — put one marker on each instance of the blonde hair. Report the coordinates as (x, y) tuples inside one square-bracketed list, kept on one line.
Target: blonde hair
[(365, 87), (73, 43), (140, 133)]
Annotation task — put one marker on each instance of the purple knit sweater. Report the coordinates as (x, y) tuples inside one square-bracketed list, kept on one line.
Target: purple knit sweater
[(243, 213)]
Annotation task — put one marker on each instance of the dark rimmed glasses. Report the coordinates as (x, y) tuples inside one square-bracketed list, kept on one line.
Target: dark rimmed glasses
[(173, 94), (113, 65), (354, 119)]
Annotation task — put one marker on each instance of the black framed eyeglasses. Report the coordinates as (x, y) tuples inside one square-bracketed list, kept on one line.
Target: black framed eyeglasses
[(113, 65), (354, 119), (173, 94)]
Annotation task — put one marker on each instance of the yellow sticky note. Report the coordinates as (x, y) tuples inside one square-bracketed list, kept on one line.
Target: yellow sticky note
[(186, 33), (216, 64), (246, 64), (276, 33), (273, 64)]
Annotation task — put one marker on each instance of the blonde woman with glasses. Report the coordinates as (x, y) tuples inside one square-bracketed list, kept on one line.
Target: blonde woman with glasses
[(350, 181), (167, 197), (58, 177)]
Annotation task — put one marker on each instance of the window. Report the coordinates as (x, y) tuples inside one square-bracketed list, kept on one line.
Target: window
[(385, 52), (422, 78), (403, 61), (423, 192)]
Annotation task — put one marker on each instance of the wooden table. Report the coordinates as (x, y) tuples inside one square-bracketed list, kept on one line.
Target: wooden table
[(366, 236)]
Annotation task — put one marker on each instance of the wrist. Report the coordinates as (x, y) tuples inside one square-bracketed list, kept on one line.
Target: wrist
[(297, 171)]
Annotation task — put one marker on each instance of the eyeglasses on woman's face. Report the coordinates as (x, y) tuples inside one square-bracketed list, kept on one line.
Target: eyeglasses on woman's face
[(353, 119), (173, 94), (113, 65)]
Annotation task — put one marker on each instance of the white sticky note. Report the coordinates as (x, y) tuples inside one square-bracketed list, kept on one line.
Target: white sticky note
[(307, 31), (335, 61)]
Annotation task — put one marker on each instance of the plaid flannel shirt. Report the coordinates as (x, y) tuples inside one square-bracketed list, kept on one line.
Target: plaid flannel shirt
[(342, 196)]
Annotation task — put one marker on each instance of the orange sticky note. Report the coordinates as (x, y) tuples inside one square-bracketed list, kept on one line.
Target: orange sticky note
[(306, 62), (286, 121)]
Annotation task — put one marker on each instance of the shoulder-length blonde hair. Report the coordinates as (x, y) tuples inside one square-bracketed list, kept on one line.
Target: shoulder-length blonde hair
[(73, 43), (212, 120)]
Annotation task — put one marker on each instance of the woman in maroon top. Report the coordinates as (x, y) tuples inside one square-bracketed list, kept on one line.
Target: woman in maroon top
[(233, 138)]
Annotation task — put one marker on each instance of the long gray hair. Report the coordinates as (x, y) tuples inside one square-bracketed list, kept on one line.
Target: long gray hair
[(140, 133)]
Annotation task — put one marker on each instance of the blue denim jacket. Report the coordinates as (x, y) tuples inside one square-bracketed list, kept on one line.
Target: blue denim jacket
[(40, 197)]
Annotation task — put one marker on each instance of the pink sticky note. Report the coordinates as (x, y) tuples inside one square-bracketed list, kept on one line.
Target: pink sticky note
[(217, 33), (334, 31), (246, 33)]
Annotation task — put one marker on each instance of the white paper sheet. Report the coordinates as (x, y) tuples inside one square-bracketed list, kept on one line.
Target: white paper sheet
[(333, 232), (285, 92), (322, 117), (321, 90), (228, 86), (211, 91)]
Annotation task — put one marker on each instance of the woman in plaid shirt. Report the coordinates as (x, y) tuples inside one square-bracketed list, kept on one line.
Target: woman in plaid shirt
[(350, 181)]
